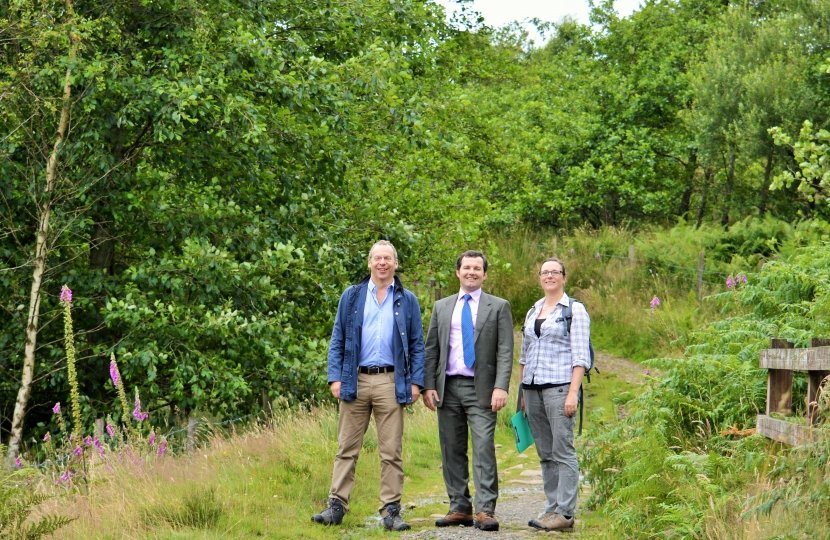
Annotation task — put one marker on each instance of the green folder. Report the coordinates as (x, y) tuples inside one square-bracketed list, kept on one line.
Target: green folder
[(521, 429)]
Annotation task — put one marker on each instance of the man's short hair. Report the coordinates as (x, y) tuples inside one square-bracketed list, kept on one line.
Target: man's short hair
[(384, 243), (474, 255), (556, 260)]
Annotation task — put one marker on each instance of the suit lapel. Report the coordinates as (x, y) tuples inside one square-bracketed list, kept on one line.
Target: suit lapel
[(483, 313), (446, 320)]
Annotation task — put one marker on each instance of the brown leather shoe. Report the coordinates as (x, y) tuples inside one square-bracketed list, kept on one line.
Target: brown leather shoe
[(455, 519), (486, 521)]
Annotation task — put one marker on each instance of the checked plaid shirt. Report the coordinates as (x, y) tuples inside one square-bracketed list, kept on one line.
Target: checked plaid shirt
[(550, 358)]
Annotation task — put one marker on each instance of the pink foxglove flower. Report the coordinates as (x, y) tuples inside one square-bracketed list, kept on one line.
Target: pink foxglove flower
[(742, 278), (97, 444), (654, 303), (572, 252), (66, 294), (152, 439), (162, 447), (114, 373), (18, 463), (87, 440), (140, 416), (65, 477), (598, 256), (57, 408), (78, 451), (110, 430), (730, 282), (47, 437)]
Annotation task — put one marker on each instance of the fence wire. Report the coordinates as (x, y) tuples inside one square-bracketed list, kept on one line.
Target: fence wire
[(159, 437), (650, 263)]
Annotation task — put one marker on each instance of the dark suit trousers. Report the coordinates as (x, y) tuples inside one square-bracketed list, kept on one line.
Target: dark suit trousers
[(460, 409)]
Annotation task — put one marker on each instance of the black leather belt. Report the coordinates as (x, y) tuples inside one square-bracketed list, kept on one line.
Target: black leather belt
[(376, 370), (459, 377)]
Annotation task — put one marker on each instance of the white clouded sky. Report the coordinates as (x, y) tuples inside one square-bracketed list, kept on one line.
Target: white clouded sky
[(501, 12)]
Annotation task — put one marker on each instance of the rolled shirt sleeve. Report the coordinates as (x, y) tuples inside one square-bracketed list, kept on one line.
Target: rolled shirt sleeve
[(580, 337)]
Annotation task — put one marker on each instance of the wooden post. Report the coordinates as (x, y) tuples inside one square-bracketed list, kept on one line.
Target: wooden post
[(191, 434), (814, 379), (700, 265), (761, 263), (631, 256), (780, 383), (267, 408), (555, 246), (438, 294), (99, 428)]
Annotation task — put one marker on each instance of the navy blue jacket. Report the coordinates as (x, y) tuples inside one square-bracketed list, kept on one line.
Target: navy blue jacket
[(407, 343)]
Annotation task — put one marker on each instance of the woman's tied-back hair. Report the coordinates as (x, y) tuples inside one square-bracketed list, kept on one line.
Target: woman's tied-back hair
[(556, 260)]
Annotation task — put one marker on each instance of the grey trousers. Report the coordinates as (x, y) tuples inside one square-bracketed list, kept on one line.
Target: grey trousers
[(553, 431), (459, 409)]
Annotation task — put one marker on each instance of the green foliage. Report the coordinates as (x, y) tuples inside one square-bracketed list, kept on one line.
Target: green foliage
[(670, 446), (811, 153), (228, 165), (18, 501), (198, 509), (213, 197)]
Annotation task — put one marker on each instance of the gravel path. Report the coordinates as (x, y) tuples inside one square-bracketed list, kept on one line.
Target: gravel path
[(515, 507), (521, 497)]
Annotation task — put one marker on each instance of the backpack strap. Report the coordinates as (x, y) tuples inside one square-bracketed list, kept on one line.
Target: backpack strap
[(567, 314)]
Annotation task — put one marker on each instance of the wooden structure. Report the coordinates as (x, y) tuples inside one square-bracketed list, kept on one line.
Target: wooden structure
[(782, 359)]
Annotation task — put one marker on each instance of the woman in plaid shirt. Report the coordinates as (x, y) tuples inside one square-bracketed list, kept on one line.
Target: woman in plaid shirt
[(553, 362)]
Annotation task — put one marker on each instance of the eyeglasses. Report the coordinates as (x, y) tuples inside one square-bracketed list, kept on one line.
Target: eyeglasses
[(385, 258), (545, 273)]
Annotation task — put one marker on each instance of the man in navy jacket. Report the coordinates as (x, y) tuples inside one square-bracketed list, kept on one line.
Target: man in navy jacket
[(376, 366)]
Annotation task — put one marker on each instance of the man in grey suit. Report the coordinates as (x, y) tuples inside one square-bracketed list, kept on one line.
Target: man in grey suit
[(469, 359)]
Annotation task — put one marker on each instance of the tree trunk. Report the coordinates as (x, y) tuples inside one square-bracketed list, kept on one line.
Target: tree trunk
[(701, 210), (41, 256), (762, 208), (686, 198), (727, 196)]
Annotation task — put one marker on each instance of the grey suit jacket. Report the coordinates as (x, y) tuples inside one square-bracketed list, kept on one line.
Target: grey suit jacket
[(493, 345)]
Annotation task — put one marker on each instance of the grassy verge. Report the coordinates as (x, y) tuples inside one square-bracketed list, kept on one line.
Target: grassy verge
[(618, 297), (269, 481)]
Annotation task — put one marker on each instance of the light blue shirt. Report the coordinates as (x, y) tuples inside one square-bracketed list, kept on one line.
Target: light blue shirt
[(378, 329)]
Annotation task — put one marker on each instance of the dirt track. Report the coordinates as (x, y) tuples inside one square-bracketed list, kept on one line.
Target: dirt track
[(521, 497)]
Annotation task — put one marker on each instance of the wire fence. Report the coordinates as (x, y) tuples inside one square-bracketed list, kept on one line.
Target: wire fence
[(650, 263), (190, 430)]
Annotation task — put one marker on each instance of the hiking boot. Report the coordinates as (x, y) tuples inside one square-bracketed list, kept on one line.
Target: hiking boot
[(543, 522), (392, 520), (333, 515), (486, 521), (455, 519), (552, 522)]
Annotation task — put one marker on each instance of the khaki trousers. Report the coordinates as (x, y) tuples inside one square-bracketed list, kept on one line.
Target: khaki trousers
[(375, 395)]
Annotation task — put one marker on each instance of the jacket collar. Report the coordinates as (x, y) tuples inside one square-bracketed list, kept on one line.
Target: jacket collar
[(398, 286)]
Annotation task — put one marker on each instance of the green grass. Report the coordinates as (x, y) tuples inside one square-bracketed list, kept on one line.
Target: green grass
[(267, 483), (617, 296)]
